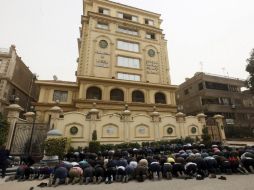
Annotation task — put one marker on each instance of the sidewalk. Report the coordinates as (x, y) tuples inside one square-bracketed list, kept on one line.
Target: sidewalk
[(233, 182)]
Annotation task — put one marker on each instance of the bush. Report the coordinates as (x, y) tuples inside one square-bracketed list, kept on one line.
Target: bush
[(189, 140), (107, 147), (206, 138), (56, 146), (94, 146)]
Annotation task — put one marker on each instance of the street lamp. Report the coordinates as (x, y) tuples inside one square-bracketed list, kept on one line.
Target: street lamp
[(32, 109)]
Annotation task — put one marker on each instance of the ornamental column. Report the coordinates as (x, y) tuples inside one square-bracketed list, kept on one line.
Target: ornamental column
[(12, 117), (219, 121), (55, 115), (126, 119), (155, 120), (93, 116), (180, 119), (202, 120)]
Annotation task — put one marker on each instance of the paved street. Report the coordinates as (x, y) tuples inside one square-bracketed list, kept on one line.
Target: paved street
[(233, 182)]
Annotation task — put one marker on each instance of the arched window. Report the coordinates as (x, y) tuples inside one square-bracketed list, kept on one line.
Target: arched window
[(116, 95), (160, 98), (93, 93), (138, 96)]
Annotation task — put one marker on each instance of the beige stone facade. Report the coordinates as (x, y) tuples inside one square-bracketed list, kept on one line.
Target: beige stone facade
[(122, 65)]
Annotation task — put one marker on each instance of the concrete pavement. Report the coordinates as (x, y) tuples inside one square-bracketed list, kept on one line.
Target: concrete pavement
[(233, 182)]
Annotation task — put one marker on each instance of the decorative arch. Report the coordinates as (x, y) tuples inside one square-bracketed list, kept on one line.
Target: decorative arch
[(169, 130), (151, 46), (160, 98), (193, 130), (142, 130), (103, 37), (74, 129), (138, 96), (116, 95), (110, 130), (93, 92)]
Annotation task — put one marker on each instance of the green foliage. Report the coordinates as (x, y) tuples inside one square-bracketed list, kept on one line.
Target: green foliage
[(189, 140), (56, 146), (144, 144), (250, 69), (94, 146), (94, 135), (4, 129), (206, 138), (104, 147), (127, 145)]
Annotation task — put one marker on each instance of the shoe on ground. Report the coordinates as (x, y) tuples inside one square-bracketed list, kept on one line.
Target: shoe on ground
[(212, 176), (222, 178)]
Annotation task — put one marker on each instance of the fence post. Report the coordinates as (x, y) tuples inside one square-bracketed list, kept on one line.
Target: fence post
[(219, 121), (180, 119), (12, 117), (126, 118), (156, 119)]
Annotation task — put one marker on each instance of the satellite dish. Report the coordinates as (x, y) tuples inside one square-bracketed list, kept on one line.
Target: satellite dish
[(55, 77)]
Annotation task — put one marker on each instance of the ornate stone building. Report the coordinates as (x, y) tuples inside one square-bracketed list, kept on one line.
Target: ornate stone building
[(16, 80), (123, 69), (122, 59)]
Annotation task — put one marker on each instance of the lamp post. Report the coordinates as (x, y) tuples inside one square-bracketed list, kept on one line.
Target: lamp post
[(32, 109)]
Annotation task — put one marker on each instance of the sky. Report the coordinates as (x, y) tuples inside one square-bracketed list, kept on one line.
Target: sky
[(213, 36)]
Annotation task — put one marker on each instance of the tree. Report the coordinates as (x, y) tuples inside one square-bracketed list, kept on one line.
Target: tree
[(94, 135), (206, 138), (250, 69), (4, 128)]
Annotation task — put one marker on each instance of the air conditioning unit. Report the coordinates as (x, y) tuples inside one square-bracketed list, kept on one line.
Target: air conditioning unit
[(233, 106)]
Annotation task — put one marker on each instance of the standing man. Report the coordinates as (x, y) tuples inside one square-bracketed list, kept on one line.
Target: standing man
[(4, 155)]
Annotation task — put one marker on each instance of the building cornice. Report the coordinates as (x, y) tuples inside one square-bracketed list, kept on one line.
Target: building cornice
[(129, 8), (57, 83), (120, 20), (123, 82)]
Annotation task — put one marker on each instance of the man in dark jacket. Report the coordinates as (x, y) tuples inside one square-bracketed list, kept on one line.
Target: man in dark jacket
[(4, 155)]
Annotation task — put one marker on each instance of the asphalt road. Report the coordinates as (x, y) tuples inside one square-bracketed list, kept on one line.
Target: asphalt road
[(233, 182)]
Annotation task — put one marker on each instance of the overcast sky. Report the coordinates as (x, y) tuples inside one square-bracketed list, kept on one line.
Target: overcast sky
[(218, 33)]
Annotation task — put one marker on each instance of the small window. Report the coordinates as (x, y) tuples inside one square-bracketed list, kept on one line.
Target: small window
[(127, 17), (102, 25), (116, 95), (103, 11), (160, 98), (186, 91), (126, 76), (127, 30), (170, 130), (138, 96), (149, 22), (128, 62), (150, 35), (73, 130), (93, 93), (128, 46), (60, 96), (193, 130), (200, 86)]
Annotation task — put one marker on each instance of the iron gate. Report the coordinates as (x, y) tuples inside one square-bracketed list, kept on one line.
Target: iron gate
[(28, 138)]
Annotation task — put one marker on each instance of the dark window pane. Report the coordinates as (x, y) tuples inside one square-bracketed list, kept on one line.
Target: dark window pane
[(160, 98), (93, 93), (138, 96), (116, 95)]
